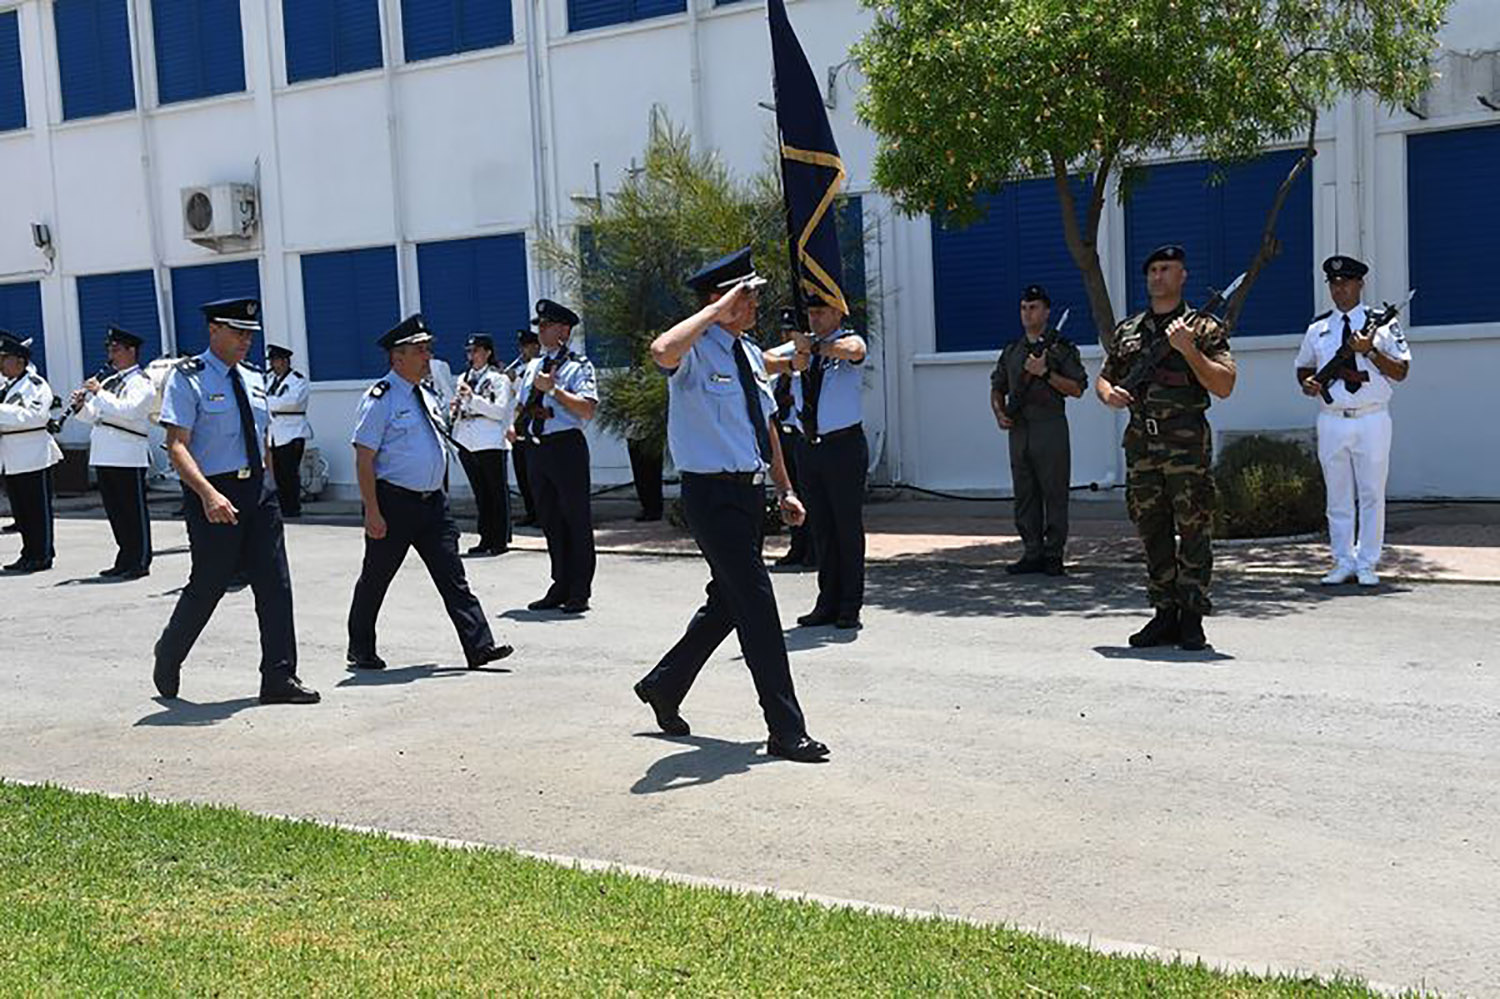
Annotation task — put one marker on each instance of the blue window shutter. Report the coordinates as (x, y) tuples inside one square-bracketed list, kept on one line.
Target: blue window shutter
[(484, 24), (656, 8), (586, 14), (1219, 226), (1452, 216), (329, 37), (12, 86), (349, 298), (128, 300), (357, 36), (432, 28), (93, 54), (192, 286), (199, 48), (21, 313), (474, 284)]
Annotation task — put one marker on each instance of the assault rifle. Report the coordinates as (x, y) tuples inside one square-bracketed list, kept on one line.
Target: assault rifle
[(534, 413), (1016, 401), (1343, 359), (1143, 371)]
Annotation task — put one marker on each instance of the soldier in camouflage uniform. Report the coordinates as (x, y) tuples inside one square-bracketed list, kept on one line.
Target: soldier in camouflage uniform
[(1169, 487)]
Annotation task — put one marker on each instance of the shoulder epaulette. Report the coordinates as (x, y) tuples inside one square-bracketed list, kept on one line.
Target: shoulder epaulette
[(250, 367), (299, 374), (1322, 316), (190, 365), (36, 379), (575, 356), (379, 389)]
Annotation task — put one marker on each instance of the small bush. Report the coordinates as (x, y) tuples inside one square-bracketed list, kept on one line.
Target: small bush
[(1268, 487)]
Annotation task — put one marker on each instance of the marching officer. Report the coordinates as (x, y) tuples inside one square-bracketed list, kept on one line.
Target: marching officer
[(286, 397), (560, 395), (1354, 430), (1032, 380), (27, 452), (119, 407), (214, 410), (1169, 486), (401, 460), (720, 430), (483, 408), (528, 348), (831, 459)]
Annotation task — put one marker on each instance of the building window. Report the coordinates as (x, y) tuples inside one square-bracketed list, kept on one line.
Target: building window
[(585, 14), (127, 300), (193, 286), (979, 271), (474, 284), (21, 314), (93, 57), (432, 28), (349, 298), (1452, 215), (330, 37), (199, 50), (1219, 225), (12, 88)]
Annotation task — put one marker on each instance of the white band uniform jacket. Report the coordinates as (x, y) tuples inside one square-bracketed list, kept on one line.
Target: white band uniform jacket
[(487, 412), (286, 398), (25, 409), (121, 416)]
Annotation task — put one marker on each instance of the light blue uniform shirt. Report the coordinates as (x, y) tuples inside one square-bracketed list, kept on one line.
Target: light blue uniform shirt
[(839, 400), (199, 398), (392, 423), (708, 428), (576, 375)]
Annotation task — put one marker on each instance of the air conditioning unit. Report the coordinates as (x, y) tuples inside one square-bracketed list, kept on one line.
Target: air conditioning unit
[(219, 211)]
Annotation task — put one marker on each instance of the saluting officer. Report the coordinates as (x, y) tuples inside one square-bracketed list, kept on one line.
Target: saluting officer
[(1354, 430), (119, 407), (1033, 378), (559, 395), (214, 409), (1169, 486), (401, 461), (528, 348), (286, 397), (724, 440), (832, 458), (27, 452), (482, 409)]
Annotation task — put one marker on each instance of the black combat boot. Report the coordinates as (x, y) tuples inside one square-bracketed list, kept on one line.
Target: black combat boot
[(1162, 629), (1190, 635)]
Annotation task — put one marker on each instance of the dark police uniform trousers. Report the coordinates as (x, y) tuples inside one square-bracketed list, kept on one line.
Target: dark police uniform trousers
[(726, 514), (124, 493), (254, 544), (1041, 466), (421, 521), (30, 496), (487, 478), (521, 449), (801, 549), (831, 482), (286, 461), (560, 486), (645, 473)]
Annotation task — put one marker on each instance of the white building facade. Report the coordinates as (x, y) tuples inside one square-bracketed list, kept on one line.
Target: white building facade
[(405, 155)]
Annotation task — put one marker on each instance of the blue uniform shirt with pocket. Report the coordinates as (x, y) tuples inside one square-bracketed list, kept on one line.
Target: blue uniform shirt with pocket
[(199, 398), (708, 425), (839, 400), (576, 375), (403, 434)]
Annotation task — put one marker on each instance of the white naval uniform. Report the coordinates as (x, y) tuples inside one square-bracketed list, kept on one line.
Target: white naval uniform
[(120, 414), (488, 411), (25, 443), (1354, 438), (286, 398)]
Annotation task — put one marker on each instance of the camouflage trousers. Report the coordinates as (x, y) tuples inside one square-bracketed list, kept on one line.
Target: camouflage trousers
[(1169, 492)]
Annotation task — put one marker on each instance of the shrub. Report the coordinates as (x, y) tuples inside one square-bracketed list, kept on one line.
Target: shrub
[(1268, 487)]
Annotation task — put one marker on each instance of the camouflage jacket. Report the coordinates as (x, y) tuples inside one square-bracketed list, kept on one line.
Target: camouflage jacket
[(1176, 391)]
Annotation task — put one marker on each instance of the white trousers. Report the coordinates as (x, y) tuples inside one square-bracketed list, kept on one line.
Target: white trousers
[(1356, 456)]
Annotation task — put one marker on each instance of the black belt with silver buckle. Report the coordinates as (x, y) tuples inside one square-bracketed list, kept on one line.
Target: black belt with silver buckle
[(414, 493), (1153, 427), (834, 435), (239, 474), (738, 478)]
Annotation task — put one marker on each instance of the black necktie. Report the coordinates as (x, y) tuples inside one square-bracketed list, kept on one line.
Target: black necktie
[(812, 387), (751, 389), (1352, 384), (247, 421)]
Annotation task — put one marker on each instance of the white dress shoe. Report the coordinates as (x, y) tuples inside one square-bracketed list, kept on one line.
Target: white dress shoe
[(1341, 574), (1367, 577)]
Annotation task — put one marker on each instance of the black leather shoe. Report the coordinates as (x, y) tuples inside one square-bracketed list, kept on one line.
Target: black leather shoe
[(526, 522), (167, 678), (1054, 567), (546, 603), (1190, 635), (286, 689), (847, 622), (11, 528), (816, 618), (493, 654), (479, 550), (1024, 567), (139, 572), (371, 661), (667, 718), (1160, 630), (575, 607), (804, 750), (789, 559), (111, 572)]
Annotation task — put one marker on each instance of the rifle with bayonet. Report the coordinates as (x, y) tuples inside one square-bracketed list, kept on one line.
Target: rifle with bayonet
[(1016, 401), (534, 414), (1143, 372), (1343, 361)]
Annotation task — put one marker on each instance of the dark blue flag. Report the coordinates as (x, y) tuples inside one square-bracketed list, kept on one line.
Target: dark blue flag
[(811, 171)]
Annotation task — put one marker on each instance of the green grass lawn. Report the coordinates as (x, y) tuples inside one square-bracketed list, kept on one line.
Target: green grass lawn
[(99, 895)]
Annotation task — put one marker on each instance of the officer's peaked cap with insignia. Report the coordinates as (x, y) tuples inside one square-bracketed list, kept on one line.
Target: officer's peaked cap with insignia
[(237, 313), (412, 329), (123, 337), (1035, 293), (1340, 266), (527, 336), (14, 346), (727, 270), (548, 311), (480, 340), (276, 350), (1171, 251)]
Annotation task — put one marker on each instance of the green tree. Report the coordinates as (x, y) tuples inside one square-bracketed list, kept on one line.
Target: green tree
[(967, 95)]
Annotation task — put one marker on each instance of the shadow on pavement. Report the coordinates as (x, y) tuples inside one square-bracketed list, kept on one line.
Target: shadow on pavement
[(804, 639), (1163, 654), (393, 676), (181, 712), (706, 761)]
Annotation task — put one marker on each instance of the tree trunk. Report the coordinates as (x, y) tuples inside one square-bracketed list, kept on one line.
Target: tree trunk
[(1083, 244)]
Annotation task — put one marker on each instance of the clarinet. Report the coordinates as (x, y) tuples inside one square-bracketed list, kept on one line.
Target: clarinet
[(104, 376)]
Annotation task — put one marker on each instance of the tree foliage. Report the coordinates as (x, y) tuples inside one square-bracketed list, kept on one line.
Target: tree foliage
[(967, 95)]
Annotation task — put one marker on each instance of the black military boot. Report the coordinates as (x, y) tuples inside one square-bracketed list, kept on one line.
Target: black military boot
[(1160, 630), (1190, 635)]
